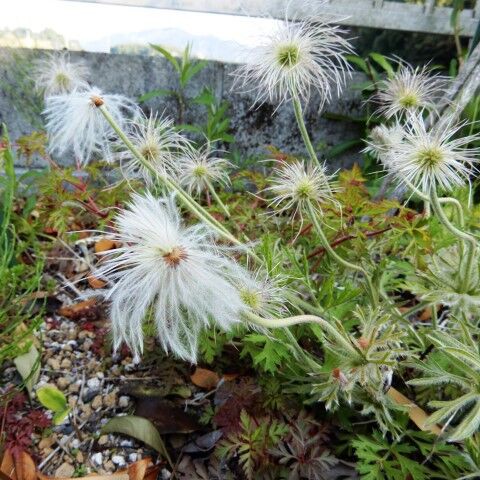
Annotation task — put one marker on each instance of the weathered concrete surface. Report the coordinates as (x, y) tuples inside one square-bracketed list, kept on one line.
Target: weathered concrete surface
[(132, 75)]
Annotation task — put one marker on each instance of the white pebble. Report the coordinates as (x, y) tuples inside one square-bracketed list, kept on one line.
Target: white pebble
[(123, 401), (97, 458), (75, 443), (118, 460), (93, 383), (133, 457)]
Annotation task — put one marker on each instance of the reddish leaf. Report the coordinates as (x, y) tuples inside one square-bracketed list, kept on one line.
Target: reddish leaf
[(86, 309)]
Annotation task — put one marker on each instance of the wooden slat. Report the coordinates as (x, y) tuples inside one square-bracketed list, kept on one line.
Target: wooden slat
[(430, 6), (359, 13), (476, 10)]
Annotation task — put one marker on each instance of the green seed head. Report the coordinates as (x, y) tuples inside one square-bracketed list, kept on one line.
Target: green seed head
[(63, 81), (304, 190), (200, 171), (288, 55), (251, 298), (409, 100), (150, 151), (430, 156)]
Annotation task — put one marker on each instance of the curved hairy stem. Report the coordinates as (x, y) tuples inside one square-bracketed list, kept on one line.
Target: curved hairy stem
[(453, 201), (297, 107), (468, 239), (217, 198), (437, 208), (298, 320), (340, 260), (186, 199)]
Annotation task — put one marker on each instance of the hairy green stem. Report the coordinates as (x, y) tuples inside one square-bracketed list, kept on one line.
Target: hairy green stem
[(298, 320), (217, 198), (284, 322), (453, 201), (469, 240), (186, 199), (417, 308), (331, 251), (437, 208), (434, 317), (297, 107)]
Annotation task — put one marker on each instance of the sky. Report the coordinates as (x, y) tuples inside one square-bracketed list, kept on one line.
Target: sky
[(92, 24)]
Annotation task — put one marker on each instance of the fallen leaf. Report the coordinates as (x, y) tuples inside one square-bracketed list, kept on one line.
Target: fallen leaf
[(204, 378), (28, 366), (165, 415), (7, 466), (137, 470), (21, 467), (139, 428), (113, 476), (152, 473), (417, 415), (95, 282), (24, 467), (86, 308), (143, 470), (104, 244)]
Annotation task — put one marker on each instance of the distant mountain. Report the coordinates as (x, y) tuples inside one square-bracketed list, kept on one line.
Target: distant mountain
[(174, 39), (24, 37)]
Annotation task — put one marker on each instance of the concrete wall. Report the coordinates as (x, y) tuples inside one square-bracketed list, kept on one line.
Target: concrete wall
[(133, 75)]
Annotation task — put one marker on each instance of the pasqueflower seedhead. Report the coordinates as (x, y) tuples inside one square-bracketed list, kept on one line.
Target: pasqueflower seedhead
[(196, 169), (74, 122), (434, 158), (381, 140), (410, 91), (174, 275), (57, 75), (160, 145), (263, 295), (297, 58), (296, 184)]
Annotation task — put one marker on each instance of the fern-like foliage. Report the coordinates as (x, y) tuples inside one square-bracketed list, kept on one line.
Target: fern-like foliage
[(381, 459), (252, 442), (303, 451), (462, 370)]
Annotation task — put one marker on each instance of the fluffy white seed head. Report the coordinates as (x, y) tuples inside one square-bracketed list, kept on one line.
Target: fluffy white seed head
[(435, 158), (57, 75), (175, 275), (381, 140), (158, 142), (263, 295), (298, 57), (296, 184), (196, 169), (410, 91), (74, 122)]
